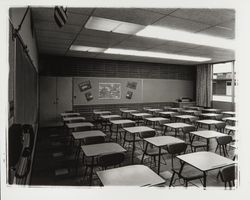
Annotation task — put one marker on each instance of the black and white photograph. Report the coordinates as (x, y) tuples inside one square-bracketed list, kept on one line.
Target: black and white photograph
[(176, 128)]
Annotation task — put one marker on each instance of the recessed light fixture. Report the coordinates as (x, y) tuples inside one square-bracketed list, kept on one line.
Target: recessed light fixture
[(110, 25), (185, 37), (155, 55), (86, 48)]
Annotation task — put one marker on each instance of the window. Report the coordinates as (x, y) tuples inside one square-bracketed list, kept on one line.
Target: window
[(223, 78)]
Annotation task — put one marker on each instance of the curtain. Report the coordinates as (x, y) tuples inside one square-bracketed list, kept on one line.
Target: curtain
[(204, 85)]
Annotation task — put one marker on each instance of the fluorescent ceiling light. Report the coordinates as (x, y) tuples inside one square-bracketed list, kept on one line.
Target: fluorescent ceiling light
[(109, 25), (155, 55), (86, 48), (185, 37)]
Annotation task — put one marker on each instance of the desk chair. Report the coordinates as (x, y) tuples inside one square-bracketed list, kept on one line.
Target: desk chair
[(152, 152), (220, 127), (89, 141), (194, 144), (227, 175), (109, 160), (161, 123), (127, 137), (222, 142), (177, 149)]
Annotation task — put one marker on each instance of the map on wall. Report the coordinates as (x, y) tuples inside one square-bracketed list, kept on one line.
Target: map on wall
[(109, 90)]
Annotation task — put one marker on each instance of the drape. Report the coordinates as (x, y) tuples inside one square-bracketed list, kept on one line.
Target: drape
[(204, 85)]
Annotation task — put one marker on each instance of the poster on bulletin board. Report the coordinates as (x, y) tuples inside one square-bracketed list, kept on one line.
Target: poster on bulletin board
[(109, 90)]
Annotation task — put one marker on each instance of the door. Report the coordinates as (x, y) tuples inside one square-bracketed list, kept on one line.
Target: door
[(64, 95), (47, 101)]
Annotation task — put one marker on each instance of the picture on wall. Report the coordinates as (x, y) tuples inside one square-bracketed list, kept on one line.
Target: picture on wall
[(132, 85), (129, 95), (89, 96), (109, 90), (85, 85)]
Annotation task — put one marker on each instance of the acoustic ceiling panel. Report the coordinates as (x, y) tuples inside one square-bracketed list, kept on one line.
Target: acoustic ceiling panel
[(180, 24), (137, 16), (206, 16)]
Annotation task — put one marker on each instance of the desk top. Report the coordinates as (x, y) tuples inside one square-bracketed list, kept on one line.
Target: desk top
[(209, 121), (103, 148), (80, 124), (109, 116), (205, 161), (102, 112), (185, 116), (140, 114), (208, 134), (160, 141), (121, 121), (176, 109), (138, 129), (129, 111), (65, 119), (229, 113), (167, 112), (83, 134), (155, 119), (190, 111), (210, 114), (177, 125), (231, 128), (132, 175), (69, 114), (153, 109), (230, 119), (195, 107), (211, 110)]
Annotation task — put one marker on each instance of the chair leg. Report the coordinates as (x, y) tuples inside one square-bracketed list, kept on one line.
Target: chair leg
[(172, 178)]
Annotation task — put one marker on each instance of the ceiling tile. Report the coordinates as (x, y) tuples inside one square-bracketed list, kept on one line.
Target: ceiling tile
[(180, 24), (82, 11), (164, 11), (206, 16), (52, 26), (137, 16), (54, 34)]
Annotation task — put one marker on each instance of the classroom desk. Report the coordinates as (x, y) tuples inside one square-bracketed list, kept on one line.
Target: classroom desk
[(79, 124), (176, 126), (70, 114), (231, 128), (83, 134), (176, 109), (207, 134), (103, 112), (212, 110), (79, 136), (204, 161), (209, 122), (191, 112), (118, 123), (127, 112), (229, 113), (231, 119), (107, 117), (167, 113), (138, 116), (154, 120), (154, 110), (210, 115), (132, 175), (185, 117), (67, 119), (195, 108), (95, 150), (160, 141), (136, 130)]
